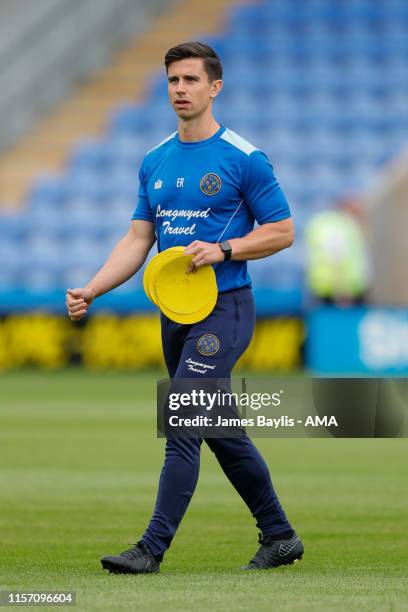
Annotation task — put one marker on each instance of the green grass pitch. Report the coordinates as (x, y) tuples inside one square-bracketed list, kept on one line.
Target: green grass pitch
[(79, 464)]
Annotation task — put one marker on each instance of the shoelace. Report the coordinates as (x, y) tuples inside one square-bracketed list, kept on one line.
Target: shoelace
[(264, 552), (135, 552), (265, 540)]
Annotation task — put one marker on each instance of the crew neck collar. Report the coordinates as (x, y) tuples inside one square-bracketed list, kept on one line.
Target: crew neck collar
[(200, 143)]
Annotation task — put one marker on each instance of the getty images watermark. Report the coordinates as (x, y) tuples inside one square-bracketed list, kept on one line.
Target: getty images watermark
[(285, 407), (209, 401)]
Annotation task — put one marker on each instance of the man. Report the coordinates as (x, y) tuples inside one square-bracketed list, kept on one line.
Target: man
[(338, 265), (202, 188)]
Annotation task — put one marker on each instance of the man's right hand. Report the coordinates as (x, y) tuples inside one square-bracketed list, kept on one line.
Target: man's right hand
[(78, 301)]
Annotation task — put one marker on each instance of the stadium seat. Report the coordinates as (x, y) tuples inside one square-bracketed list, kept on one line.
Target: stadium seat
[(48, 189), (92, 155), (13, 226)]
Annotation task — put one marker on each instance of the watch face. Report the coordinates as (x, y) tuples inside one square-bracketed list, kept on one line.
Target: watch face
[(226, 249)]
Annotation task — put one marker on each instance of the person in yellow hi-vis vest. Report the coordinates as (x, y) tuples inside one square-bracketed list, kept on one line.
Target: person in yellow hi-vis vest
[(338, 267)]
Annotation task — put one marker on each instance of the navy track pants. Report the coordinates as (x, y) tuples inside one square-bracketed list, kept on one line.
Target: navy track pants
[(211, 348)]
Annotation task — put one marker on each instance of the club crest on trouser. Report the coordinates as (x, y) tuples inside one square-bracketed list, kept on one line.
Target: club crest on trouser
[(208, 345), (210, 184)]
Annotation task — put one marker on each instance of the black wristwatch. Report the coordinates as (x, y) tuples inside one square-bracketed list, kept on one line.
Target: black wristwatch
[(226, 249)]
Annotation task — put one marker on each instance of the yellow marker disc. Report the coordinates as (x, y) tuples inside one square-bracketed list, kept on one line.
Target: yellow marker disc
[(184, 293), (188, 319), (163, 258), (153, 264)]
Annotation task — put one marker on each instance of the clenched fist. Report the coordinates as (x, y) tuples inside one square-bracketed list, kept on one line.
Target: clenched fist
[(78, 301)]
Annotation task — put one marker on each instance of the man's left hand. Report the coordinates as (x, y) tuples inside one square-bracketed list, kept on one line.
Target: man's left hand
[(204, 253)]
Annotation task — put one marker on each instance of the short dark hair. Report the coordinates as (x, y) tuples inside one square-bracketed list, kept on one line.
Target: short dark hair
[(212, 62)]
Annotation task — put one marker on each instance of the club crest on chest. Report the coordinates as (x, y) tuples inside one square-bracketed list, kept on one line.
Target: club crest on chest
[(210, 184)]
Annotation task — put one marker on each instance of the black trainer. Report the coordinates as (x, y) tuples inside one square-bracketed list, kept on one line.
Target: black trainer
[(136, 560), (273, 553)]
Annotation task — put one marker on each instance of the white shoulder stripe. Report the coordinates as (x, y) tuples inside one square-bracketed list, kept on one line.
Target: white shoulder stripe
[(162, 142), (238, 142)]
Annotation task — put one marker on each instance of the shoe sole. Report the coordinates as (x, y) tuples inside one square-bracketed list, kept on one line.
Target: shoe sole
[(291, 562), (114, 569), (294, 560)]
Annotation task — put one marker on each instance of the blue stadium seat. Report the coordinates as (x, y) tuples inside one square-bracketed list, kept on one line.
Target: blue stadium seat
[(42, 248), (93, 155), (48, 189), (131, 119), (46, 217), (125, 185), (13, 225), (41, 280), (10, 251), (89, 186)]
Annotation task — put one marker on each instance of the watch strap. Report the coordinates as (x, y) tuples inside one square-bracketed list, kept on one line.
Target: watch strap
[(226, 249)]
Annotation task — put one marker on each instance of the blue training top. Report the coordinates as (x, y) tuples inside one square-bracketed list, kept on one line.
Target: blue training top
[(210, 190)]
